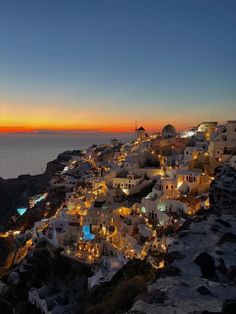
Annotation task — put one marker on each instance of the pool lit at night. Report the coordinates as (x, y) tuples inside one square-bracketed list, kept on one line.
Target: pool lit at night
[(87, 235), (21, 210)]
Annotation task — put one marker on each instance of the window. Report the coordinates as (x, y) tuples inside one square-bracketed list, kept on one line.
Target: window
[(166, 187)]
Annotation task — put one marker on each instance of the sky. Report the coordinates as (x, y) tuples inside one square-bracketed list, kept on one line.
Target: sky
[(102, 65)]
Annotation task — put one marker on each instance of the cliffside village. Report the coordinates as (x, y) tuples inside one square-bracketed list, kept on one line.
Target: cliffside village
[(125, 201)]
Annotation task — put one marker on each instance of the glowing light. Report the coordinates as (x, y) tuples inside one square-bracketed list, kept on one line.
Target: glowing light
[(4, 235), (161, 264), (126, 191), (143, 209)]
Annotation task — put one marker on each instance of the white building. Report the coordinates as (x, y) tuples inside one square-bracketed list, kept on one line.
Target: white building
[(208, 128), (59, 223), (223, 141), (168, 186), (63, 183), (161, 209), (134, 161), (49, 300), (192, 152), (127, 181), (170, 206)]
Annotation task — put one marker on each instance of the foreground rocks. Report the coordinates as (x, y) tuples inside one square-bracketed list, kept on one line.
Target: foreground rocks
[(207, 272), (205, 256), (223, 190)]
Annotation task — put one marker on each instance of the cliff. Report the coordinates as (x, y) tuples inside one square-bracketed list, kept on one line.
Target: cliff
[(200, 272), (15, 192)]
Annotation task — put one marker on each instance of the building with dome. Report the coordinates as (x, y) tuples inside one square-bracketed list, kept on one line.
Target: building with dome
[(168, 131)]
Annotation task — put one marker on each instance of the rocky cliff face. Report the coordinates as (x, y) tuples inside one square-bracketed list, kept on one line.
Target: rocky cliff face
[(15, 192), (223, 190), (203, 256)]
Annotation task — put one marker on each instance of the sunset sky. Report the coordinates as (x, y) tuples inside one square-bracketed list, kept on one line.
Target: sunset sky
[(101, 65)]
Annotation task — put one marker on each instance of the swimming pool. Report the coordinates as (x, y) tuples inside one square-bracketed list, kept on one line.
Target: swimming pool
[(87, 236)]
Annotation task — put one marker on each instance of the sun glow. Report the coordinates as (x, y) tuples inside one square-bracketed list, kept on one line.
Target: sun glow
[(26, 118)]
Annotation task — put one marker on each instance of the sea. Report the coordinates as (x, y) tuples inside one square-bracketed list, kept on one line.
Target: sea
[(29, 153)]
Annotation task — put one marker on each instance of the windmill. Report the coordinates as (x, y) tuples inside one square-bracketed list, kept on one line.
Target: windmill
[(135, 128)]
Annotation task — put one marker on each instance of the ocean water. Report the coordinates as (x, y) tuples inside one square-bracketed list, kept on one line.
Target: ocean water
[(29, 153)]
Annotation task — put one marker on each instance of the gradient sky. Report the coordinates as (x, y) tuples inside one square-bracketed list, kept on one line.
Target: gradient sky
[(101, 65)]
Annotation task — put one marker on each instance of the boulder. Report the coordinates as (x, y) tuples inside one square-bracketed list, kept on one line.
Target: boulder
[(203, 290), (155, 296), (207, 265), (227, 237)]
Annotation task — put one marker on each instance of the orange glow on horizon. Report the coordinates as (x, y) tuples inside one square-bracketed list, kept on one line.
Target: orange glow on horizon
[(105, 128), (25, 119)]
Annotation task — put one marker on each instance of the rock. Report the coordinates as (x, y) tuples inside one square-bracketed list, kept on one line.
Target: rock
[(207, 265), (183, 234), (222, 193), (229, 307), (5, 307), (223, 223), (227, 237), (155, 296), (136, 312), (177, 255), (215, 228), (221, 267), (203, 290), (15, 192), (13, 278), (219, 252), (232, 274), (169, 271)]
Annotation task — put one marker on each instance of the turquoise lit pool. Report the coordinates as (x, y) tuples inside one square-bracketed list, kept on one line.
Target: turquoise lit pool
[(87, 236), (21, 210)]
